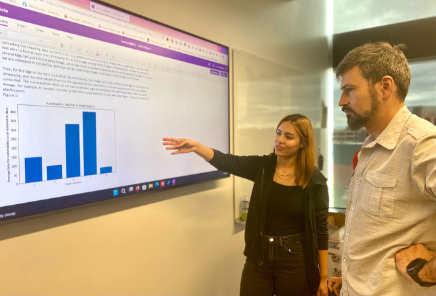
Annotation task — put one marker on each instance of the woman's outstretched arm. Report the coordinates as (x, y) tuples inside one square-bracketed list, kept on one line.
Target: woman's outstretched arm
[(187, 146), (242, 166)]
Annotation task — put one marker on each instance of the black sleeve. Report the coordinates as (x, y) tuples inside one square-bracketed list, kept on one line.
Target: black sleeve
[(321, 203), (241, 166)]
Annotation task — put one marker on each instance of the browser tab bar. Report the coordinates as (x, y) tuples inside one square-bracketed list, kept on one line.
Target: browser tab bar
[(93, 6)]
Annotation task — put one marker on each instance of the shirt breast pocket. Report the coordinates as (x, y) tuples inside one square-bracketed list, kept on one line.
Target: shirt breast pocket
[(379, 194)]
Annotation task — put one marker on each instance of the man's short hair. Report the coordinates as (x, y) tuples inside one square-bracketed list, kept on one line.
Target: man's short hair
[(376, 60)]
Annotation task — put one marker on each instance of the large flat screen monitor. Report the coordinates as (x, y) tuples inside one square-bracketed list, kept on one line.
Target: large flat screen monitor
[(89, 91)]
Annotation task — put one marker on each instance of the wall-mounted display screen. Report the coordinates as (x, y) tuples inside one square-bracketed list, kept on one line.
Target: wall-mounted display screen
[(88, 93)]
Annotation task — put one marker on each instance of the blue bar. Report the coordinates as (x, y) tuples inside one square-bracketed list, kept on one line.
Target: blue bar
[(105, 170), (89, 143), (33, 169), (54, 172), (72, 144)]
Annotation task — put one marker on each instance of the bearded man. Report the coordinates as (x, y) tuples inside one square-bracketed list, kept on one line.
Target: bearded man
[(390, 231)]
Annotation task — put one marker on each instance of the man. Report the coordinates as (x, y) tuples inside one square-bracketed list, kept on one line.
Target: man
[(391, 211)]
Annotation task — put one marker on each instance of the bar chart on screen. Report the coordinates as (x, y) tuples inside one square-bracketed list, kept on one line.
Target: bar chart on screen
[(65, 142)]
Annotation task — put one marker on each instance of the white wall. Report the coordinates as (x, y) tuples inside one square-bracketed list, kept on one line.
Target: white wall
[(178, 242)]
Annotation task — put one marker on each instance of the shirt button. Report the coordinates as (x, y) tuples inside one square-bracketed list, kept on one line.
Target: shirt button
[(345, 260), (346, 234), (352, 208), (357, 181), (410, 129)]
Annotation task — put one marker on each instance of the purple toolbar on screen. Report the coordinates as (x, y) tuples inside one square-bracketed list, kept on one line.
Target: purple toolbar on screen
[(40, 19)]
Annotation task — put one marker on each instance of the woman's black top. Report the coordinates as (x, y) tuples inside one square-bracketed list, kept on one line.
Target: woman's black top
[(260, 170), (285, 210)]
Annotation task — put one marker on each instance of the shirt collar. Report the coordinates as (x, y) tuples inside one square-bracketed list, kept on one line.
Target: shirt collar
[(389, 137)]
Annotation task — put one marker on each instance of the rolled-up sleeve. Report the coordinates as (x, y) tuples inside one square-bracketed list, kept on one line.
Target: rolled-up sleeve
[(424, 166)]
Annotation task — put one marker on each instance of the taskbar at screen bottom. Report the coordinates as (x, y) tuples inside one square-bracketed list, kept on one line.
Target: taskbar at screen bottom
[(53, 204)]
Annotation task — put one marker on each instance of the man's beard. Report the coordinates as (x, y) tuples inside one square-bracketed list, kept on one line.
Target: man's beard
[(359, 120)]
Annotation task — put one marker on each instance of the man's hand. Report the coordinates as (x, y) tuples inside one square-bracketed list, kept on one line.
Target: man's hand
[(407, 255), (335, 284)]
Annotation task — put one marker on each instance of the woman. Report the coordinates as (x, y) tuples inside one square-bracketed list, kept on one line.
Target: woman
[(286, 233)]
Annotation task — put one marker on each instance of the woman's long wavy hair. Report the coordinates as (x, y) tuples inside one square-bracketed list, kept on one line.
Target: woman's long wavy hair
[(305, 161)]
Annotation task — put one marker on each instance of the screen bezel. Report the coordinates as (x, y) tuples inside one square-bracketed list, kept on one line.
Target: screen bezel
[(69, 202)]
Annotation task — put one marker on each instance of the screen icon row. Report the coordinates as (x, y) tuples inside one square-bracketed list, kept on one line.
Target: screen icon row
[(144, 187)]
